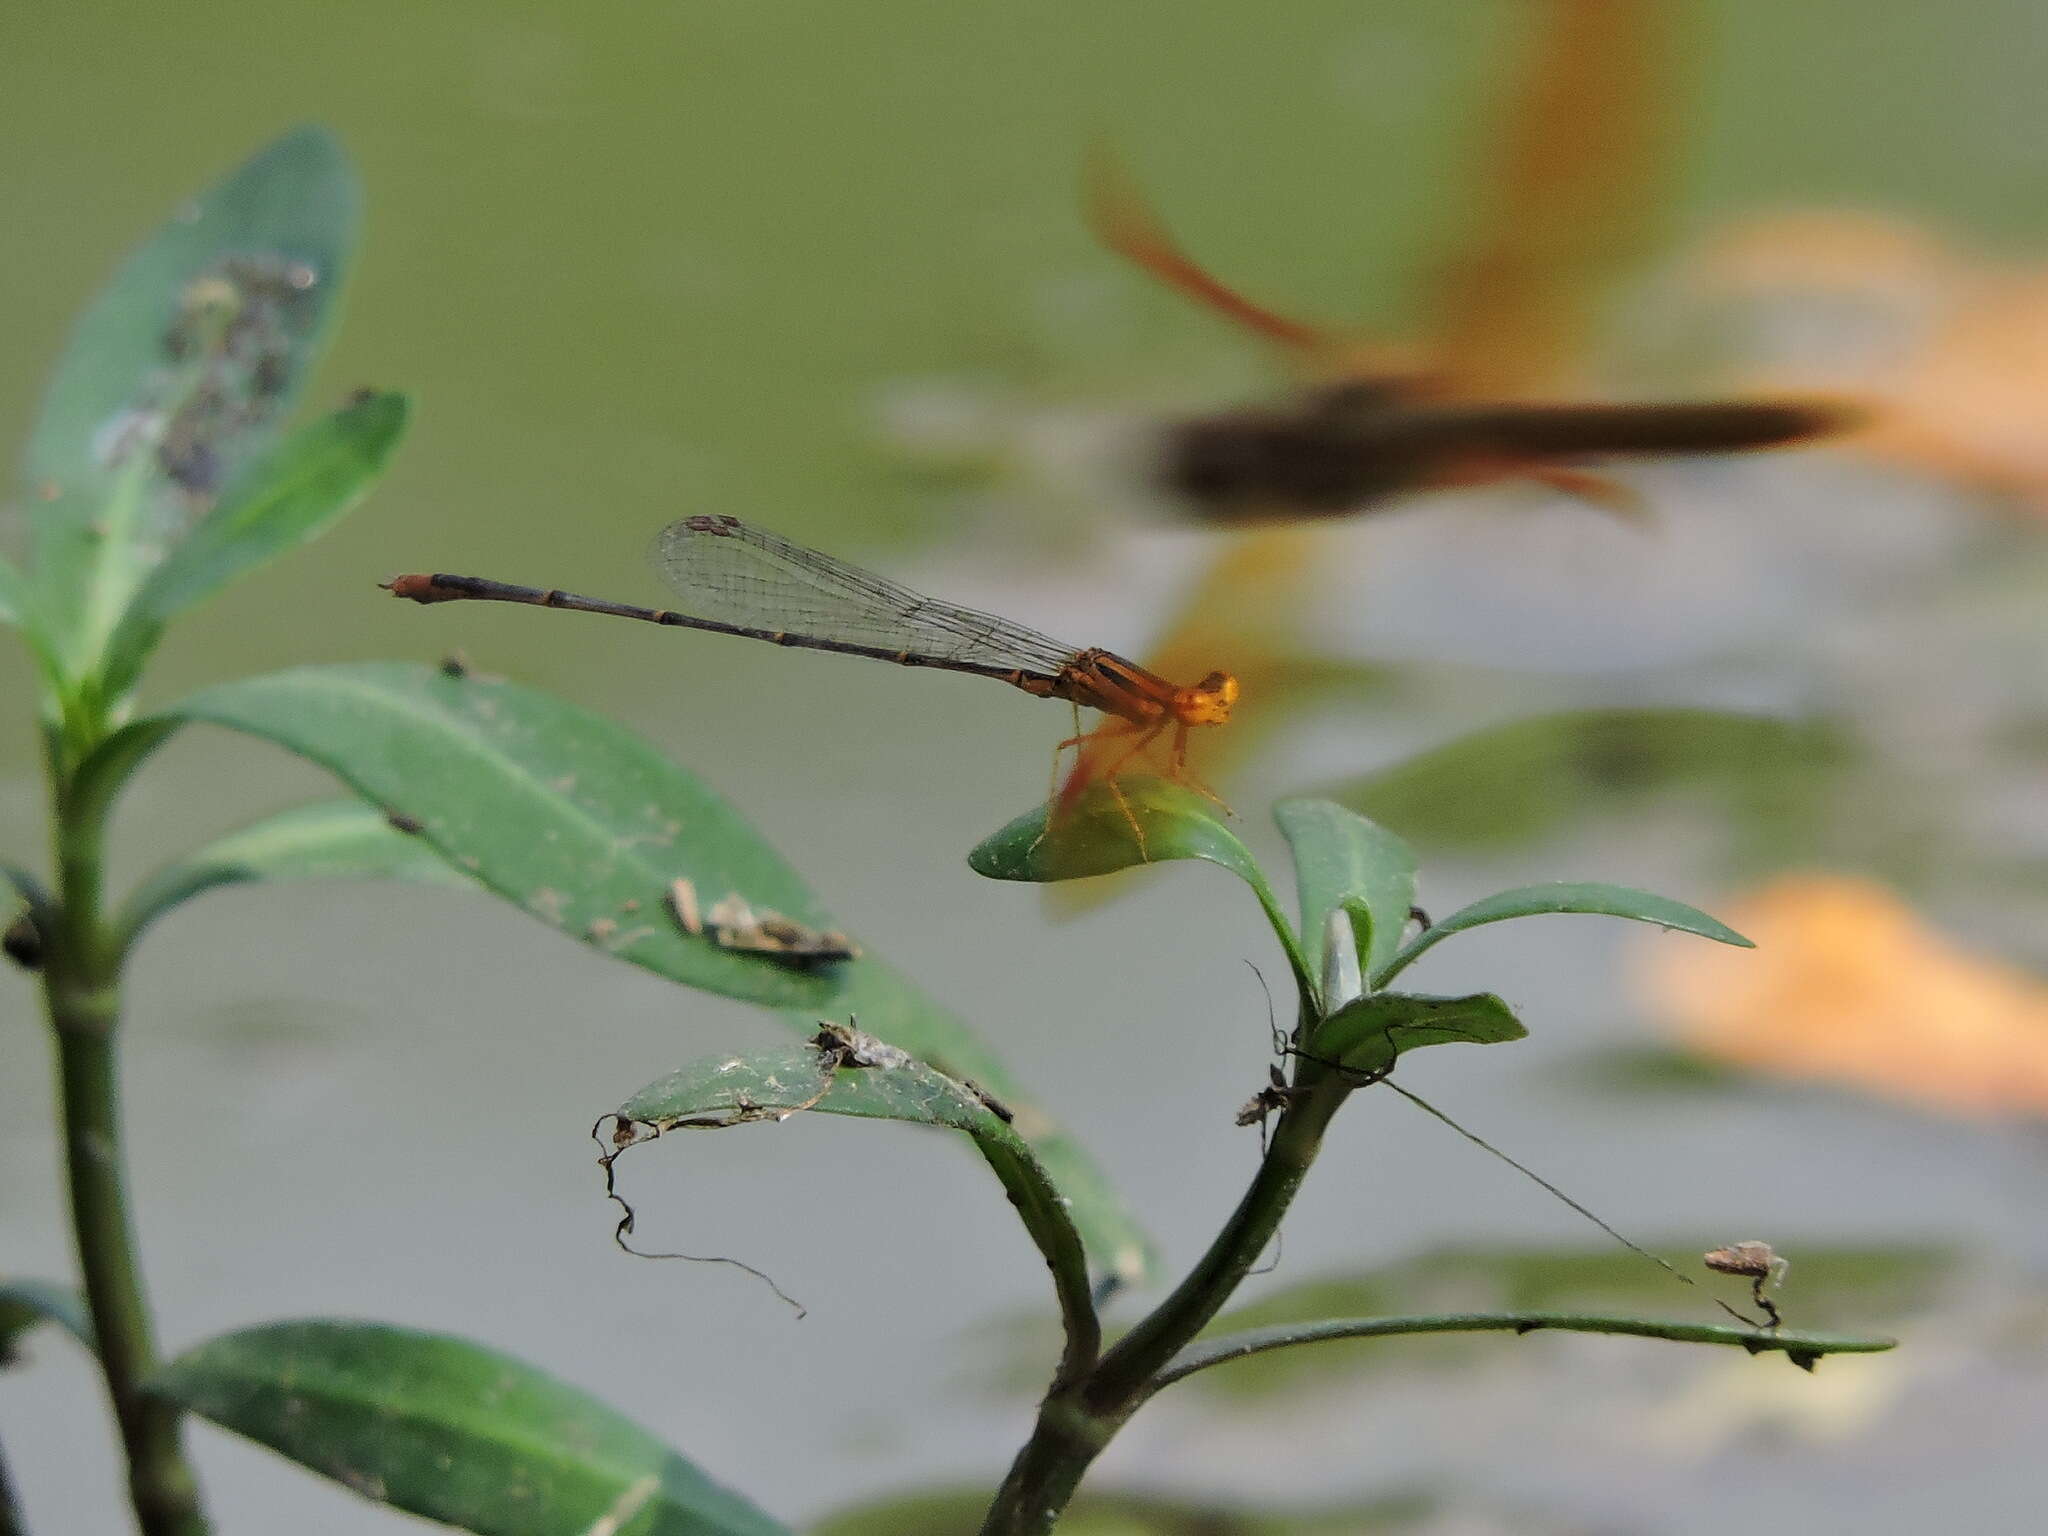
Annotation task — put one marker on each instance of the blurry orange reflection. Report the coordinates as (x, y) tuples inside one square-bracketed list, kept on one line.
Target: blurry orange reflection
[(1847, 986), (1948, 351)]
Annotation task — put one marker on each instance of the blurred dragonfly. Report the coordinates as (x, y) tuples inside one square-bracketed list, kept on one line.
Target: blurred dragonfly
[(1568, 196), (1360, 431)]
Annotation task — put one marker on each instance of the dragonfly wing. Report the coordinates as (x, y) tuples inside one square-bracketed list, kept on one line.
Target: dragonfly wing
[(734, 573)]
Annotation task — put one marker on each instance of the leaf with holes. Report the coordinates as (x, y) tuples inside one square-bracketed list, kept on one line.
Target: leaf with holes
[(718, 1091), (181, 372), (308, 482)]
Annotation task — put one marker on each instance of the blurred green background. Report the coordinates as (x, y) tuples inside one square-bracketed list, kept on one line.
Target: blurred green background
[(823, 267)]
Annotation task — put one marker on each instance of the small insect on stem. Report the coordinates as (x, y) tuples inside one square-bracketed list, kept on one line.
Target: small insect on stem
[(1275, 1096), (1755, 1261), (741, 580)]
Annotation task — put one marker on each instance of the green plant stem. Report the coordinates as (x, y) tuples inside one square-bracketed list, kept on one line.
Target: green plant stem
[(81, 989), (1127, 1369), (1077, 1419)]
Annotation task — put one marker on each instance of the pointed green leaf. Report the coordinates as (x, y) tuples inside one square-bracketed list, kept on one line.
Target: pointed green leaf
[(335, 840), (1343, 861), (771, 1084), (438, 1426), (585, 826), (1368, 1034), (25, 1303), (288, 499), (1567, 896), (1135, 821), (568, 816), (183, 367), (1111, 827)]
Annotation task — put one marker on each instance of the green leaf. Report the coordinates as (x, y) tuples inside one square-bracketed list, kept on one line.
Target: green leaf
[(1102, 831), (1368, 1034), (770, 1084), (1344, 862), (441, 1427), (308, 482), (1097, 836), (334, 840), (566, 815), (585, 826), (25, 1303), (183, 368), (1567, 896), (789, 1077)]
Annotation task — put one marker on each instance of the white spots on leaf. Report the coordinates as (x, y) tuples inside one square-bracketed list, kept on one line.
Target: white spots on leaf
[(631, 1500), (368, 1484), (124, 434)]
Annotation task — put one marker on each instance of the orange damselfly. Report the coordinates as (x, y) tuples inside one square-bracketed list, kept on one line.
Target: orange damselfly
[(741, 580)]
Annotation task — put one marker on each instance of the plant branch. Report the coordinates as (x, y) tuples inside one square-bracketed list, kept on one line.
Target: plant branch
[(1802, 1348), (1119, 1383), (81, 988), (1051, 1229), (1079, 1417)]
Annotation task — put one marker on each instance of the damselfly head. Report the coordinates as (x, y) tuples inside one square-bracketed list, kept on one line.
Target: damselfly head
[(1208, 702)]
